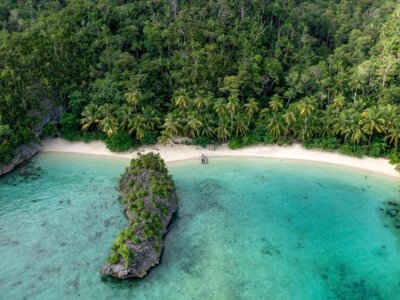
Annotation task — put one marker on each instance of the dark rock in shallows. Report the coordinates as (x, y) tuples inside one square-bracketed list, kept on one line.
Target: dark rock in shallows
[(392, 212)]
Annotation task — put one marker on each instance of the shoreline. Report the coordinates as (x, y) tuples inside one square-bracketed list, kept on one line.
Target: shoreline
[(179, 152)]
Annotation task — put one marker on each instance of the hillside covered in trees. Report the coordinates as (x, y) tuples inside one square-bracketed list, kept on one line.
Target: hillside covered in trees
[(326, 73)]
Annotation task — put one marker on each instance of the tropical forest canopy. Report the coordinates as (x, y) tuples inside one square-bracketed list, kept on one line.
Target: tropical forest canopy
[(326, 73)]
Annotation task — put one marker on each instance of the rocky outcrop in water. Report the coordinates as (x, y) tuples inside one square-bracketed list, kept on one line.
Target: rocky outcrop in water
[(149, 201), (23, 154)]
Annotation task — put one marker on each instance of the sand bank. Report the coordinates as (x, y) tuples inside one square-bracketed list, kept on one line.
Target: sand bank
[(183, 152)]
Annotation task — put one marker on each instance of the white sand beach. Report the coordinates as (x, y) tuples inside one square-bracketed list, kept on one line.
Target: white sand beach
[(183, 152)]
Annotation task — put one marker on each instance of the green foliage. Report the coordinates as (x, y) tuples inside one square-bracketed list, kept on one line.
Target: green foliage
[(136, 240), (235, 143), (6, 152), (244, 141), (322, 143), (150, 138), (394, 158), (120, 142), (378, 149), (125, 254), (349, 149), (70, 128), (274, 71), (149, 161), (50, 130), (146, 189), (77, 101), (113, 258), (202, 141)]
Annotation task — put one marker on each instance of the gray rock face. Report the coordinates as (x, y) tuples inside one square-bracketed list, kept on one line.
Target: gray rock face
[(52, 113), (149, 212), (145, 257), (23, 153), (26, 152)]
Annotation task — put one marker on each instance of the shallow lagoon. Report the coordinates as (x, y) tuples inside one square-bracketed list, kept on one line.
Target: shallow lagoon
[(247, 228)]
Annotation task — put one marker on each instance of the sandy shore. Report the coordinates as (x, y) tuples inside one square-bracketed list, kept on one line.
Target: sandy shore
[(184, 152)]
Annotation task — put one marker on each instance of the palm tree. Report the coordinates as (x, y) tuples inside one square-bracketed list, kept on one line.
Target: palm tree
[(343, 124), (276, 103), (164, 138), (290, 118), (222, 130), (107, 110), (182, 101), (109, 125), (265, 113), (231, 107), (207, 128), (339, 102), (394, 136), (133, 98), (200, 103), (251, 108), (348, 124), (124, 114), (327, 121), (219, 107), (151, 117), (275, 127), (391, 115), (90, 116), (358, 105), (357, 135), (241, 125), (171, 126), (139, 126), (306, 107), (193, 126), (372, 121)]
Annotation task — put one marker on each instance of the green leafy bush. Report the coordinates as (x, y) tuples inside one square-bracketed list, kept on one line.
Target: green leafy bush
[(6, 152), (269, 139), (150, 138), (50, 130), (136, 240), (394, 157), (322, 143), (70, 126), (125, 253), (378, 149), (202, 141), (235, 143), (120, 142), (113, 258)]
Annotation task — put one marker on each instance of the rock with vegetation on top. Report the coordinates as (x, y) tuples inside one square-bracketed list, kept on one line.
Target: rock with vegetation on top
[(149, 201)]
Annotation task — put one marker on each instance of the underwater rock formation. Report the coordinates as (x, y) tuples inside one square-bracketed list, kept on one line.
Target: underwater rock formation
[(391, 212), (149, 201)]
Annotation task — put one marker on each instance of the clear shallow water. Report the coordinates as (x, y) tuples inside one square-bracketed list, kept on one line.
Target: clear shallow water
[(246, 229)]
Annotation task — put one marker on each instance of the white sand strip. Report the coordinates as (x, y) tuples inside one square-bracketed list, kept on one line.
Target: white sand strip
[(184, 152)]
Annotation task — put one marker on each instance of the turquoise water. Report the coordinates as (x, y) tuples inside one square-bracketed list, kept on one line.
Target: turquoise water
[(246, 229)]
